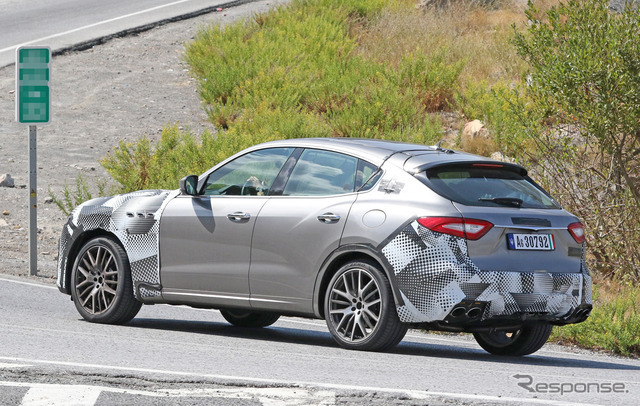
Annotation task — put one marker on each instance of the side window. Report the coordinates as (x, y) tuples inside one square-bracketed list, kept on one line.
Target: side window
[(365, 170), (322, 173), (250, 174)]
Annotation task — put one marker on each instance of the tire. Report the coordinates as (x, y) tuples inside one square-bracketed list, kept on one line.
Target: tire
[(360, 310), (101, 286), (244, 318), (524, 341)]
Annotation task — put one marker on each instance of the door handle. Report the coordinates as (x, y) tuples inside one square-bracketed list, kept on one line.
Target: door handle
[(238, 216), (328, 218)]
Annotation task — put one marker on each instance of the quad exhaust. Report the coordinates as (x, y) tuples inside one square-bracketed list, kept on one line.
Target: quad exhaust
[(465, 311)]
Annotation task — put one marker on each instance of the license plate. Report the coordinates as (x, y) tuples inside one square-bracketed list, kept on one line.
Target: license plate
[(535, 242)]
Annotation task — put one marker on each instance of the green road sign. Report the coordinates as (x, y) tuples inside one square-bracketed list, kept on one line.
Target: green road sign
[(33, 73)]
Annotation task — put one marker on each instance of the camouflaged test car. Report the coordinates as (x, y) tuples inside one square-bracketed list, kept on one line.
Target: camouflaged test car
[(372, 236)]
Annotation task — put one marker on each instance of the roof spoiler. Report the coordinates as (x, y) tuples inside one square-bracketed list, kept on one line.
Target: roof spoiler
[(488, 163)]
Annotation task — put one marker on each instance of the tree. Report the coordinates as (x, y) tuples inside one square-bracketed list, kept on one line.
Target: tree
[(583, 98), (585, 69)]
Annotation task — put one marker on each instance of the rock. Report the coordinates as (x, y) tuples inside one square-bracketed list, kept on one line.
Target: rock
[(48, 200), (475, 138), (3, 223), (5, 213), (474, 129), (6, 180), (499, 156)]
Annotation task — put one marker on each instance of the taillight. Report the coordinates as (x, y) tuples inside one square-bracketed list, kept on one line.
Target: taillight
[(471, 229), (577, 232)]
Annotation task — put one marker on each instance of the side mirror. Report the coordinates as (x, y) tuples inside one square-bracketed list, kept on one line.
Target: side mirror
[(189, 185)]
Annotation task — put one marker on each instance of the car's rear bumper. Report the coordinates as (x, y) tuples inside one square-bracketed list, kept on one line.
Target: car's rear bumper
[(435, 276)]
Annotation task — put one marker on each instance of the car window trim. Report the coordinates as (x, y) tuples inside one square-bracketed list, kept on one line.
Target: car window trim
[(204, 178), (277, 188)]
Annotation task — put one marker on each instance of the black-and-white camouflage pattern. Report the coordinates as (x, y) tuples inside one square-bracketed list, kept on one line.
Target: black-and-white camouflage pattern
[(134, 219), (434, 273)]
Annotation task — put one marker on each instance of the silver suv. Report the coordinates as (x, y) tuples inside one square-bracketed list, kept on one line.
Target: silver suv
[(372, 236)]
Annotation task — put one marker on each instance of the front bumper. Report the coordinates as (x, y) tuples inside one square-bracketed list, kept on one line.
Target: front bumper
[(434, 274)]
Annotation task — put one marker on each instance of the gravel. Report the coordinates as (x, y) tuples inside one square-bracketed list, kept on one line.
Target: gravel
[(121, 90)]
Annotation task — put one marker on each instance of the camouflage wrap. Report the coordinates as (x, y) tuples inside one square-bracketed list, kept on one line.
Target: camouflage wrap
[(434, 273), (134, 218)]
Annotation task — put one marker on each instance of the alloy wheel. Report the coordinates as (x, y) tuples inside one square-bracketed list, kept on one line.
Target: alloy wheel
[(355, 305), (97, 279)]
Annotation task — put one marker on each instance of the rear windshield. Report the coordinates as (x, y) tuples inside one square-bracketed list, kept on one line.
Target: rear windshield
[(490, 187)]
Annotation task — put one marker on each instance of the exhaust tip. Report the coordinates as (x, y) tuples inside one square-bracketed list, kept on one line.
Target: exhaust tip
[(458, 312), (474, 312)]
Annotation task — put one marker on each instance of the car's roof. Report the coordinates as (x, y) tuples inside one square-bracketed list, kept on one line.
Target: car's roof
[(409, 156)]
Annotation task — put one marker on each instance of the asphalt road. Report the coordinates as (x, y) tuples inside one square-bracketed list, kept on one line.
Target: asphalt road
[(72, 24), (45, 345)]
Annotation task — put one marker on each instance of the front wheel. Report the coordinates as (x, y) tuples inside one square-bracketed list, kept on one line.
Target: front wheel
[(243, 318), (524, 341), (360, 310), (101, 288)]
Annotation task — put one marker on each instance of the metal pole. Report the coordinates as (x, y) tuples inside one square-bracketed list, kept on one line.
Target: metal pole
[(33, 203)]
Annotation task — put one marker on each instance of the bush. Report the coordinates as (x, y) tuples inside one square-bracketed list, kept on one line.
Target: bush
[(585, 94), (137, 166), (494, 105), (72, 197), (300, 63), (614, 324)]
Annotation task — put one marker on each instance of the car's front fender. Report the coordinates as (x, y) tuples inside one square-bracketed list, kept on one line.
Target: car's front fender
[(133, 219)]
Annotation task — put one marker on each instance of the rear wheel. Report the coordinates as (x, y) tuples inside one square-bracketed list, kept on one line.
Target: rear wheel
[(524, 341), (360, 310), (101, 288), (244, 318)]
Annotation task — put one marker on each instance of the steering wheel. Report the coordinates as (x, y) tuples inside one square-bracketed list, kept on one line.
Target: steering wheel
[(252, 182), (244, 185)]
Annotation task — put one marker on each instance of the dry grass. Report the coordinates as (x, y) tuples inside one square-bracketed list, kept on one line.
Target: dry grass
[(471, 33)]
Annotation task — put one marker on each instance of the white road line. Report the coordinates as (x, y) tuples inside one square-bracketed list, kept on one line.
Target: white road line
[(63, 395), (4, 365), (38, 285), (263, 351), (452, 341), (250, 380), (13, 47), (44, 386), (40, 395)]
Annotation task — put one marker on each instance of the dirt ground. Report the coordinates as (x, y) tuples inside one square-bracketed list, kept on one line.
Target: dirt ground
[(120, 90)]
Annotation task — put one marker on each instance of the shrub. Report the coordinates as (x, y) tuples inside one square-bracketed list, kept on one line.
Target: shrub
[(494, 105), (585, 90), (300, 63), (73, 196), (140, 165), (614, 324)]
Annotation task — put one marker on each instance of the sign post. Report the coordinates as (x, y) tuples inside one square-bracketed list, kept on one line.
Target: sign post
[(33, 106)]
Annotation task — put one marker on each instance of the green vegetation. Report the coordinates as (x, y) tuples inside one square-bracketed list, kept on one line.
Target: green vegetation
[(178, 153), (614, 324), (583, 112), (298, 71), (557, 85), (74, 195)]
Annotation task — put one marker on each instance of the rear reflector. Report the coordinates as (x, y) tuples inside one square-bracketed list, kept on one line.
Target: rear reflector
[(471, 229), (577, 232)]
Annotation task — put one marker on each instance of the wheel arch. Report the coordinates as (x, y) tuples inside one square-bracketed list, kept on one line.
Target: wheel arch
[(75, 248), (340, 257)]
